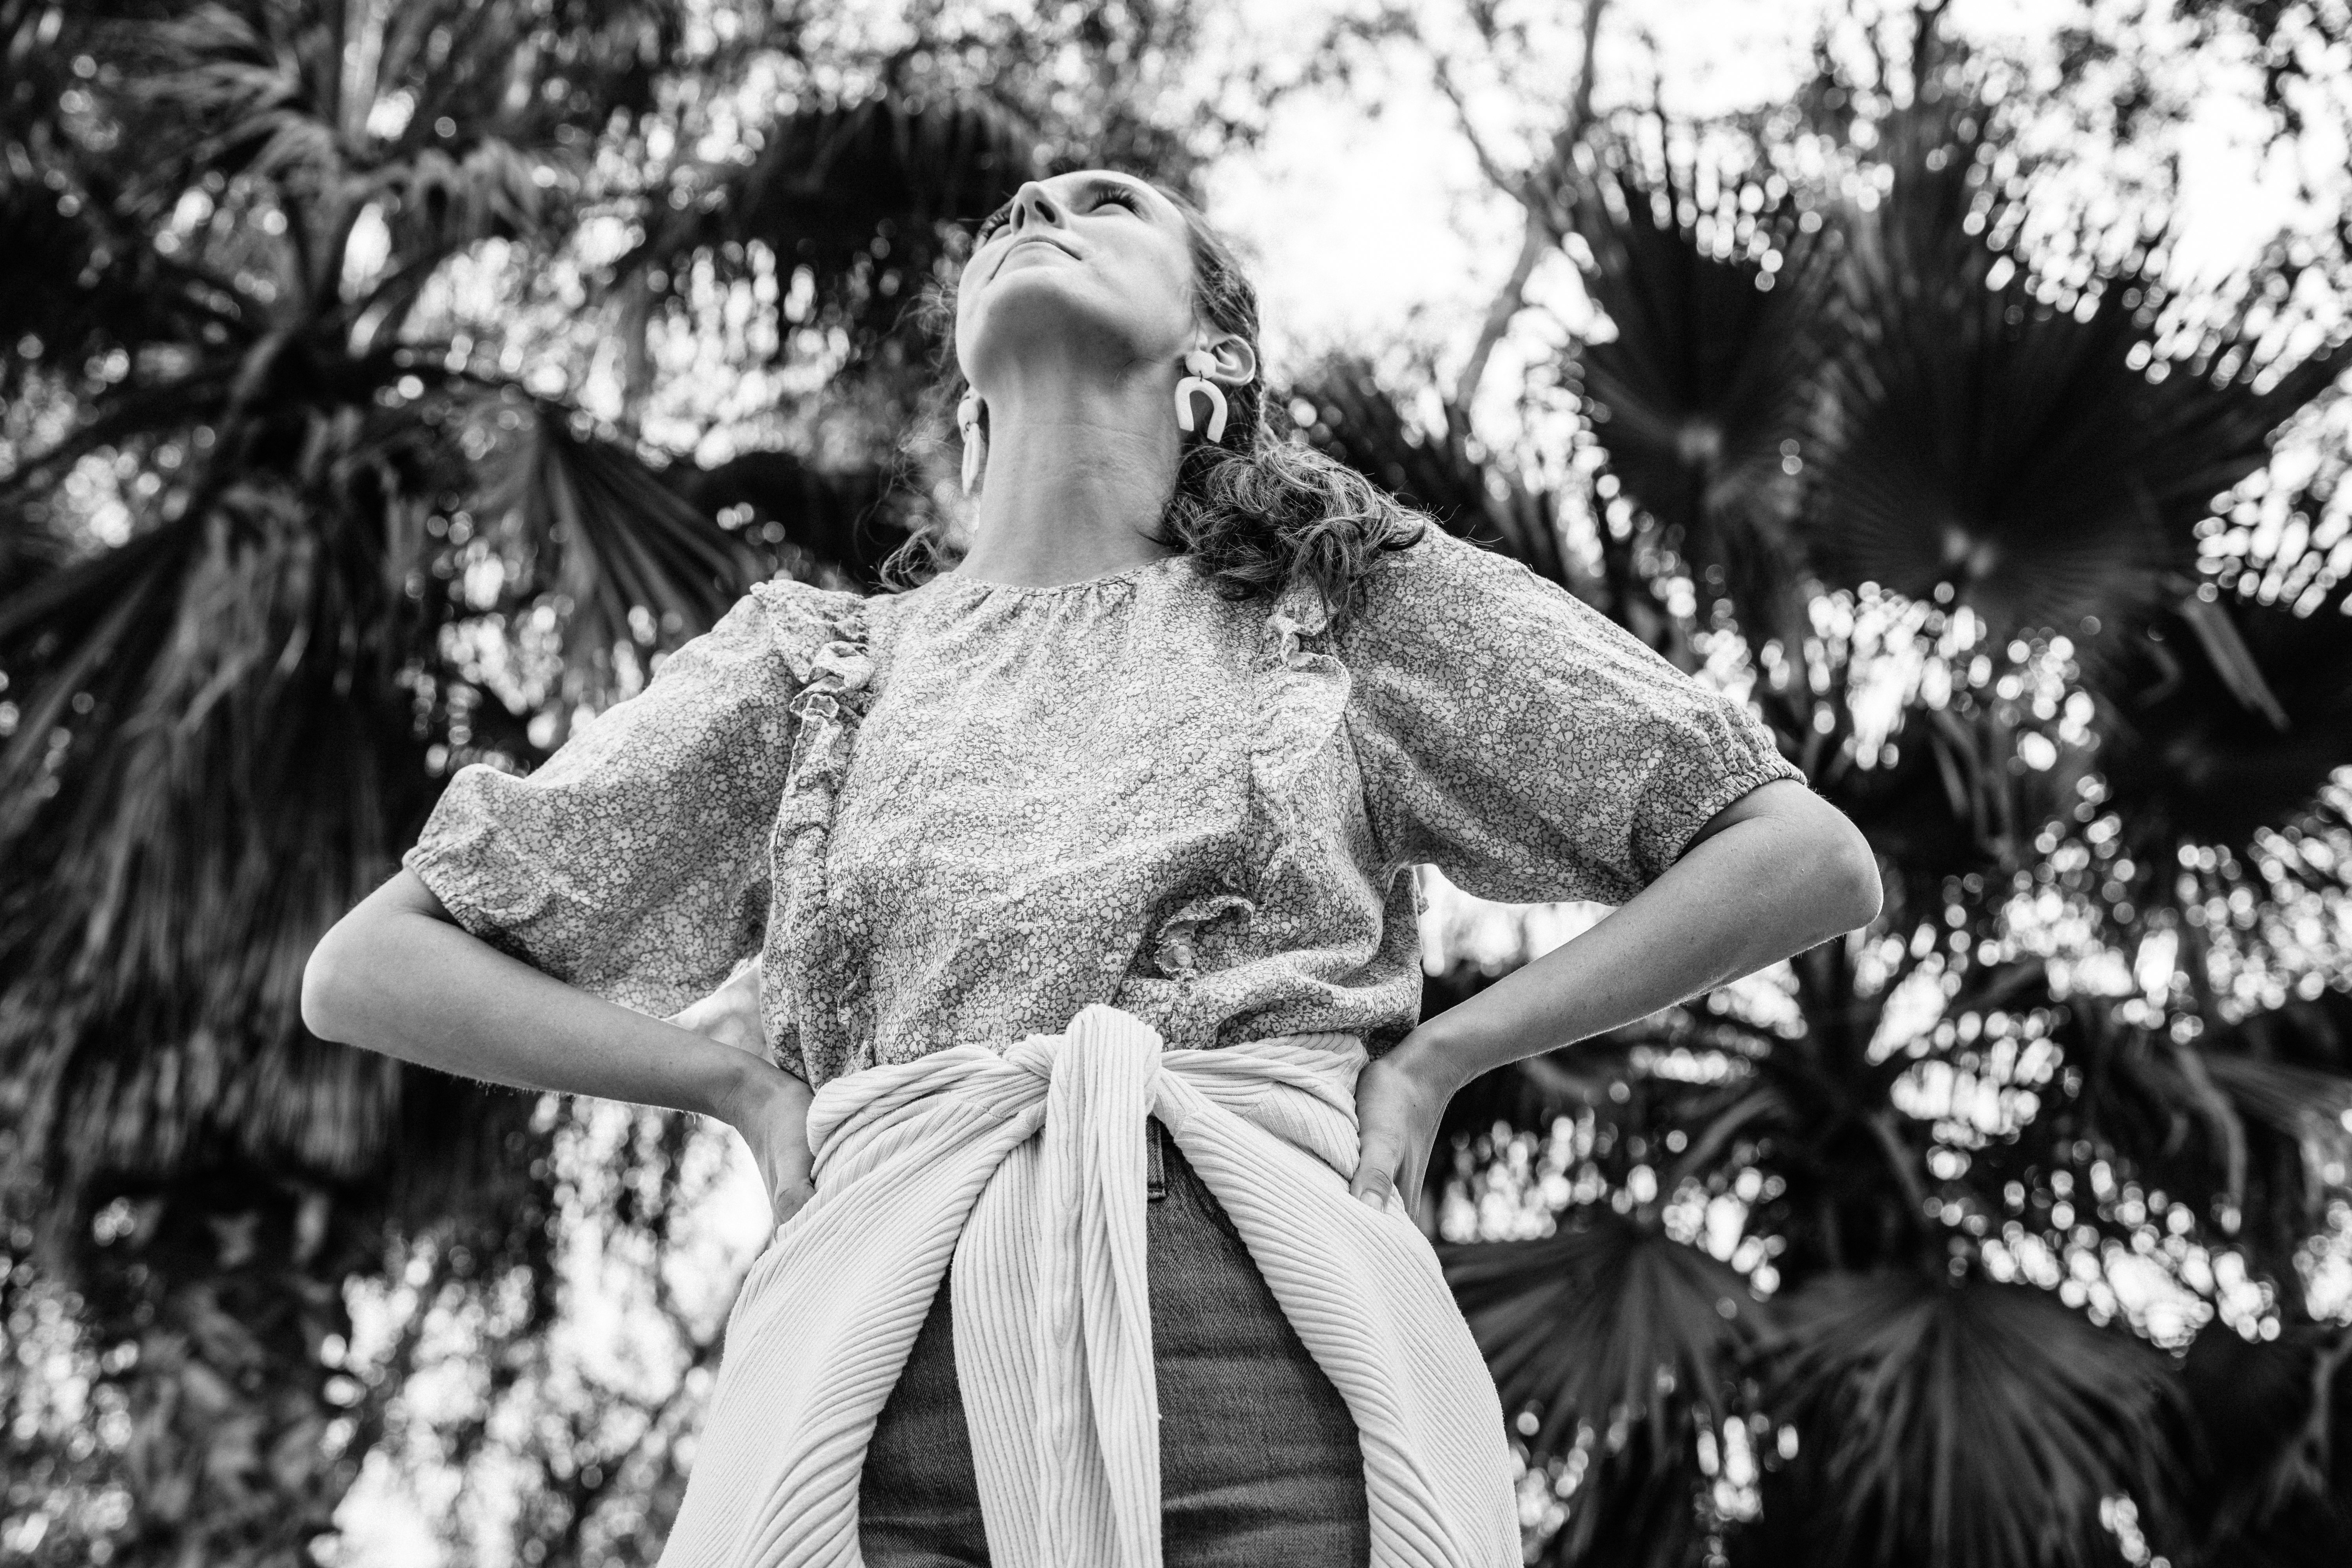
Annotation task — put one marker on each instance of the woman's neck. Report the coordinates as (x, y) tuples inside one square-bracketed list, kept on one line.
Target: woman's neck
[(1080, 469)]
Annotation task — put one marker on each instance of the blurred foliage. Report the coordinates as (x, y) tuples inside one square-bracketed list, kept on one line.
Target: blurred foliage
[(359, 423), (384, 386), (1925, 1248)]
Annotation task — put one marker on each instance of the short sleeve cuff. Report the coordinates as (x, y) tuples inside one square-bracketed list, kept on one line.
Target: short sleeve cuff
[(1670, 833)]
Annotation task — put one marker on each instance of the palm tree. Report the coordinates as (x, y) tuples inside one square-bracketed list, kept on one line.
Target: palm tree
[(270, 491), (1957, 510)]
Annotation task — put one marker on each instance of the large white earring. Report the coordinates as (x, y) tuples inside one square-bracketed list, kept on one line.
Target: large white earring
[(1200, 361), (974, 443)]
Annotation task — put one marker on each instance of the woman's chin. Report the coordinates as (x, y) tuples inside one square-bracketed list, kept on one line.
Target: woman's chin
[(1038, 303)]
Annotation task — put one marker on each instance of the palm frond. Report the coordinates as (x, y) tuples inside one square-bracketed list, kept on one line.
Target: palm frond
[(2225, 732), (1990, 435), (237, 690), (1445, 472), (1954, 801), (850, 522), (220, 89), (1957, 1426), (223, 731), (2272, 1424), (79, 285), (857, 193), (1624, 1344), (443, 201), (601, 532), (2245, 1126), (1700, 397), (1578, 1326)]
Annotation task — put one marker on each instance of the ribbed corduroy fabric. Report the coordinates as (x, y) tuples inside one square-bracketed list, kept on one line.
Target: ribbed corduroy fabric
[(1025, 1166)]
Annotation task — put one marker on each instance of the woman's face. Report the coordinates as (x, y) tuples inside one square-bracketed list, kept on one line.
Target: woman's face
[(1091, 264)]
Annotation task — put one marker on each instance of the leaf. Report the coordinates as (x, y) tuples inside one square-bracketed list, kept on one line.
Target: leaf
[(2240, 1128), (2222, 724), (1358, 423), (603, 533), (1959, 1425), (1953, 804), (1601, 1320), (1700, 399), (2272, 1428), (1987, 434), (849, 520), (855, 192), (1624, 1345), (153, 938), (2232, 660)]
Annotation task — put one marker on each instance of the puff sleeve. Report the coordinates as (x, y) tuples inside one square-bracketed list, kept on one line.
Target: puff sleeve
[(633, 862), (1525, 744)]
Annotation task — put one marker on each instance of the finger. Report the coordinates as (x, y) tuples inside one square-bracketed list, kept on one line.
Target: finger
[(1375, 1176)]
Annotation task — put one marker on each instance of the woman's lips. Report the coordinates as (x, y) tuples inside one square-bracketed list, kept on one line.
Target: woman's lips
[(1032, 239)]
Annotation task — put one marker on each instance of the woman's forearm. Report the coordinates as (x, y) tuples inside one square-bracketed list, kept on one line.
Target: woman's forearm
[(396, 975), (1778, 873)]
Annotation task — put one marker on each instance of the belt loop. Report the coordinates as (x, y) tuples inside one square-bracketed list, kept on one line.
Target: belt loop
[(1155, 1170)]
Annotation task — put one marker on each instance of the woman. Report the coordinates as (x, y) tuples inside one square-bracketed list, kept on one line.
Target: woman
[(1107, 825)]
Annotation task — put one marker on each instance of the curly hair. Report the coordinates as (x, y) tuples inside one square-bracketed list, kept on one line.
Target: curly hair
[(1257, 510)]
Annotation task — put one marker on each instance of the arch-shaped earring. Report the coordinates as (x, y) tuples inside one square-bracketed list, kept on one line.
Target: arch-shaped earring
[(1200, 361), (974, 442)]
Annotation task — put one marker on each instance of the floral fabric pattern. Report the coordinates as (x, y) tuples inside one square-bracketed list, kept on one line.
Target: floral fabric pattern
[(961, 813)]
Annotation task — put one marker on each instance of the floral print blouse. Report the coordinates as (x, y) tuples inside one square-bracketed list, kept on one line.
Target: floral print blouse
[(963, 811)]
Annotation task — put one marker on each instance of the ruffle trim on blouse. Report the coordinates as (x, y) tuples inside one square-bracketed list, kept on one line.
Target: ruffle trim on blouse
[(835, 670), (1304, 699), (823, 1006), (1176, 944)]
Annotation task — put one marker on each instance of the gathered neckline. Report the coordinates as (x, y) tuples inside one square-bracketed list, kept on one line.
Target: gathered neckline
[(947, 582)]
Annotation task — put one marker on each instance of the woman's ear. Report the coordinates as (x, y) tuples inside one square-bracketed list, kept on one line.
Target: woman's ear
[(1236, 361)]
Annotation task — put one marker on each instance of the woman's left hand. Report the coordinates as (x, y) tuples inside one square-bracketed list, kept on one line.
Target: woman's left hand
[(1399, 1099)]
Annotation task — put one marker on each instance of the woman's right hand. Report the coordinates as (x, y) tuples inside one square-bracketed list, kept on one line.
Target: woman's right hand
[(768, 1106)]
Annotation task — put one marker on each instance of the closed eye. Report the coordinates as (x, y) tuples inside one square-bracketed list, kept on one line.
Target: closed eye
[(1100, 193)]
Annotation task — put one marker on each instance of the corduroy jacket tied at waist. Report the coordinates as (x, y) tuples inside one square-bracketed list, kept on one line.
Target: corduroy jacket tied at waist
[(1027, 1166)]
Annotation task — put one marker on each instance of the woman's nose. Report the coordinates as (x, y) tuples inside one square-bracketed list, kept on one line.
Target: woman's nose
[(1033, 203)]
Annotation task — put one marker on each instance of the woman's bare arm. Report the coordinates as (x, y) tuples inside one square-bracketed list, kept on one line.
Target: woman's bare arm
[(398, 975), (1777, 871)]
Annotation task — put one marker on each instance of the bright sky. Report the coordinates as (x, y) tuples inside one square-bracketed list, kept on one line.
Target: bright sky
[(1371, 227)]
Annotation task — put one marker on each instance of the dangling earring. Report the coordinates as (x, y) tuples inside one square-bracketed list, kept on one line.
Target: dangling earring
[(974, 443), (1200, 361)]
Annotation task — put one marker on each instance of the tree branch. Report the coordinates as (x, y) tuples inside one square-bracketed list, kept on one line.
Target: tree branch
[(1537, 239), (1536, 195), (1487, 163)]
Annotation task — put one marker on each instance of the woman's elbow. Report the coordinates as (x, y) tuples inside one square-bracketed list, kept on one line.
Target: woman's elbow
[(344, 980), (324, 977), (1848, 869), (1834, 863), (335, 992)]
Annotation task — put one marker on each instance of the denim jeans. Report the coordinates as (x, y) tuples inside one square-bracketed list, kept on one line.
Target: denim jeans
[(1258, 1460)]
